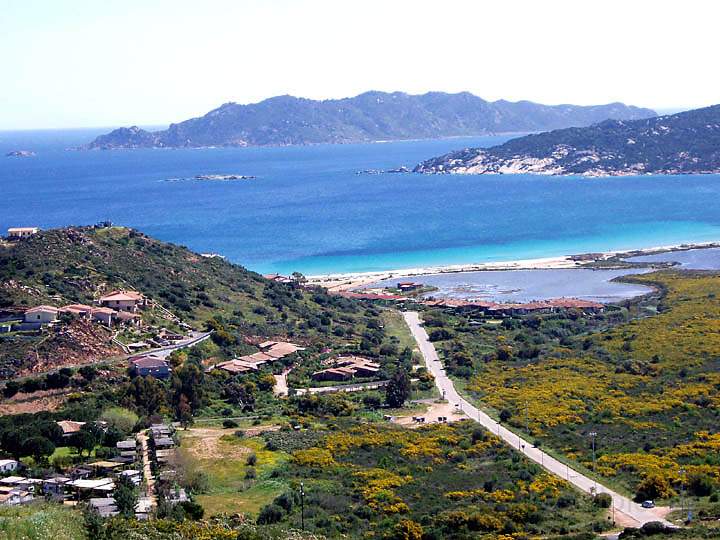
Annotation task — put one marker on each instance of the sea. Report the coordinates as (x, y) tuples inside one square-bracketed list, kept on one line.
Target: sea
[(311, 209)]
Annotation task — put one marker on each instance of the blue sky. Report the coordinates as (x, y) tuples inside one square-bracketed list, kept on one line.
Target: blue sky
[(74, 63)]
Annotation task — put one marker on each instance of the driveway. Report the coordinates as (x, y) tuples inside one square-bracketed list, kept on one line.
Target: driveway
[(621, 504)]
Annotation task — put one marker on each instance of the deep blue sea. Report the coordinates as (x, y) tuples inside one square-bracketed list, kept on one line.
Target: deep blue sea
[(309, 211)]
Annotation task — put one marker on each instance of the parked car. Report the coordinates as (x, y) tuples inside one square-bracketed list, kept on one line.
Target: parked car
[(648, 504)]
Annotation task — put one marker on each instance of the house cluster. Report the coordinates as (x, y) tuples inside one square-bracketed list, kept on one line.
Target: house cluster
[(270, 351), (507, 309), (118, 307), (91, 482), (344, 368)]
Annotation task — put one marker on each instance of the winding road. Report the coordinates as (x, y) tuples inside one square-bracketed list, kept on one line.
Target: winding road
[(622, 505)]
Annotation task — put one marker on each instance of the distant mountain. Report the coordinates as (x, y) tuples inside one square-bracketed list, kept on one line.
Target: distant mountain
[(372, 116), (683, 143)]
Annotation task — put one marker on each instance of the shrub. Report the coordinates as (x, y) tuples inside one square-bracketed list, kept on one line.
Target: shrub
[(602, 500), (121, 419), (251, 460), (228, 424), (271, 513)]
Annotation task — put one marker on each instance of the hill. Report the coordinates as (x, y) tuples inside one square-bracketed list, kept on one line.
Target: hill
[(372, 116), (683, 143), (79, 264)]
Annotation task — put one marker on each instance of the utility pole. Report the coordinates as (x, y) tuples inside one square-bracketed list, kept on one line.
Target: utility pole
[(682, 491), (302, 505), (593, 434), (527, 419)]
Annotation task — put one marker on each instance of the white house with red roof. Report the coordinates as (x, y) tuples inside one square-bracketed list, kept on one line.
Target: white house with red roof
[(41, 314), (122, 300)]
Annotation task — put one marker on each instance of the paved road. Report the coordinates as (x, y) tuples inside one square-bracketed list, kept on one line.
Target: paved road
[(621, 504)]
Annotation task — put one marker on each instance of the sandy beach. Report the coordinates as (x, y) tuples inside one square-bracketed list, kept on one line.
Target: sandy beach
[(352, 280)]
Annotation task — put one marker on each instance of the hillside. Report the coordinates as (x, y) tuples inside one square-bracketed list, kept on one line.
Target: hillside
[(372, 116), (78, 264), (683, 143)]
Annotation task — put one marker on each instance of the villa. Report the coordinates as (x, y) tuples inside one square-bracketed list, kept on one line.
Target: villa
[(145, 366), (41, 315), (122, 300), (17, 233)]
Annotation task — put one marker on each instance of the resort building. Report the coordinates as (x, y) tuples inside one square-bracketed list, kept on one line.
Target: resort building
[(122, 300), (103, 315), (21, 232), (41, 315)]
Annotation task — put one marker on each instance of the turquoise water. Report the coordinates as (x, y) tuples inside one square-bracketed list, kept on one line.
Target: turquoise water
[(309, 211)]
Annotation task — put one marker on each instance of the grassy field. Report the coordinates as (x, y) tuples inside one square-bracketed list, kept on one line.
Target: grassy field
[(648, 386), (223, 457), (40, 522)]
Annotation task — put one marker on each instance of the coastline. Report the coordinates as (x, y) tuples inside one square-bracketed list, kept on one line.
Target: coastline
[(347, 281)]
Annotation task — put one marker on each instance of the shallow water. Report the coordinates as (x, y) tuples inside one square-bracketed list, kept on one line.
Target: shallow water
[(692, 259), (529, 285)]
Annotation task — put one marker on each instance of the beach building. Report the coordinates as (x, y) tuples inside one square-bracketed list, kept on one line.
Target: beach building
[(15, 497), (41, 315), (17, 233), (407, 286), (54, 488), (8, 465), (145, 366), (345, 368)]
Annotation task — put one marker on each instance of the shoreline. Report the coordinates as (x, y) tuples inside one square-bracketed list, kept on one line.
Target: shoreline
[(348, 281)]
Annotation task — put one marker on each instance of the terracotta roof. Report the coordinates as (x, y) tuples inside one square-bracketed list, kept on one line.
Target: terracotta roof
[(121, 296), (70, 426), (148, 362), (76, 308), (37, 309)]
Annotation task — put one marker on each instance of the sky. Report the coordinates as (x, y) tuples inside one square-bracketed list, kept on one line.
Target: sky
[(76, 63)]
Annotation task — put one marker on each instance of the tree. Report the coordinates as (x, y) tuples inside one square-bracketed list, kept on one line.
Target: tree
[(270, 513), (505, 415), (654, 486), (123, 420), (183, 411), (125, 495), (298, 278), (38, 447), (83, 441), (398, 389)]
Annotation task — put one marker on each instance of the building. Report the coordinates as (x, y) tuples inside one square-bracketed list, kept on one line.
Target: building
[(407, 286), (144, 366), (81, 311), (41, 315), (54, 488), (69, 427), (15, 497), (104, 506), (8, 465), (103, 315), (122, 300), (21, 232)]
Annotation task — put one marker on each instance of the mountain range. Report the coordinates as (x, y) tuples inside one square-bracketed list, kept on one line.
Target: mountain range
[(372, 116), (682, 143)]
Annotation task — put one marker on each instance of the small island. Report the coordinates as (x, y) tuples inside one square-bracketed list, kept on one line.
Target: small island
[(223, 177), (20, 153)]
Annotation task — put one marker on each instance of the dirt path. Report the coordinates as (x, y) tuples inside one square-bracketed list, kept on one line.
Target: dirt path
[(435, 411), (147, 470)]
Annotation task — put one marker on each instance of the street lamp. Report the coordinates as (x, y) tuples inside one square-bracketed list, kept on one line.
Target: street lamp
[(593, 435), (682, 491), (302, 505)]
